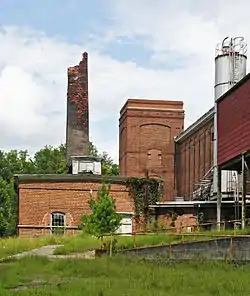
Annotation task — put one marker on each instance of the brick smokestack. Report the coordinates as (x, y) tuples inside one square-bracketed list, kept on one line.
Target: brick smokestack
[(77, 133)]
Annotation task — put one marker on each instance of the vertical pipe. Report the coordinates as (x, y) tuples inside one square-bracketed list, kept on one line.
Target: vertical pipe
[(194, 169), (218, 198), (243, 199), (217, 171), (199, 158), (205, 152), (189, 170), (209, 151), (184, 171), (204, 155)]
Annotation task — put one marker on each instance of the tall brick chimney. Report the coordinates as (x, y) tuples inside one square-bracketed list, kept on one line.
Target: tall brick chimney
[(77, 133)]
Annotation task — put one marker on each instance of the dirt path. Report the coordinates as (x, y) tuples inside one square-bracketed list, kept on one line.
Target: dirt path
[(42, 251), (47, 251)]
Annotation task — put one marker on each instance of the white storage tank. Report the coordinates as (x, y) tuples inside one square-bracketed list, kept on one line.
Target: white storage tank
[(230, 68), (230, 64)]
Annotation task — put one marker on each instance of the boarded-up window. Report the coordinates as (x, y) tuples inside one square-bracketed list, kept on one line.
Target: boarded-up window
[(154, 158)]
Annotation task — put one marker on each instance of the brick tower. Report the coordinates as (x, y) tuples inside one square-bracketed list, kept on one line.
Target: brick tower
[(77, 133), (146, 140)]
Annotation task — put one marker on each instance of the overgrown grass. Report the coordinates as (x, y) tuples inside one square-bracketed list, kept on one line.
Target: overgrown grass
[(14, 245), (129, 242), (82, 242), (78, 244), (122, 276)]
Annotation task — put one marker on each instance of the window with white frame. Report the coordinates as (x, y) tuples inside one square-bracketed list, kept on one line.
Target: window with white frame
[(58, 223)]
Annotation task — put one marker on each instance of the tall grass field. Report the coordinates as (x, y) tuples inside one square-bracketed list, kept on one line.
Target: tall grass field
[(120, 276), (81, 242), (116, 275)]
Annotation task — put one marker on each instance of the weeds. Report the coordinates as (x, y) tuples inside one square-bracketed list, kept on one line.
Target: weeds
[(122, 276)]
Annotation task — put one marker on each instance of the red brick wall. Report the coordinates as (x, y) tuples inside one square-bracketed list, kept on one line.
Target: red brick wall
[(194, 158), (77, 131), (37, 200), (147, 131)]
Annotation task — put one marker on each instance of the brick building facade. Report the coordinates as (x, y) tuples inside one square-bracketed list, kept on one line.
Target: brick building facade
[(152, 143), (41, 197), (195, 146), (147, 129), (194, 155)]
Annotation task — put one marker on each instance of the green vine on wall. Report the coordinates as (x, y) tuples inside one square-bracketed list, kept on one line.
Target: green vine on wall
[(145, 192)]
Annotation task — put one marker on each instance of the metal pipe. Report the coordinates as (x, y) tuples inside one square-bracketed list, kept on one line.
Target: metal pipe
[(189, 171), (243, 202), (218, 198), (194, 163)]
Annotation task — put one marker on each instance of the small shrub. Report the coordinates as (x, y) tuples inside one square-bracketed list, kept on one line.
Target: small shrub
[(104, 219)]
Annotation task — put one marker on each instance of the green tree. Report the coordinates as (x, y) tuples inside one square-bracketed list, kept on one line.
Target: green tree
[(103, 219), (12, 162), (108, 165), (51, 160), (8, 208), (15, 162), (93, 151)]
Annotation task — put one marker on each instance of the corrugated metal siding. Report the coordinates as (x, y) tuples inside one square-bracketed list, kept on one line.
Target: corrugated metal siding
[(234, 123)]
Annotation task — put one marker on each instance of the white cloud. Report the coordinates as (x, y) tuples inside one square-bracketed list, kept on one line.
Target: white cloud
[(33, 69), (33, 85)]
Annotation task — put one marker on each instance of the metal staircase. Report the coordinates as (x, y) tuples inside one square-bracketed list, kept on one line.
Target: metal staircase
[(204, 188)]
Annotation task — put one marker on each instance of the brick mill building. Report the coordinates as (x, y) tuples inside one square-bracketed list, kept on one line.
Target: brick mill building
[(147, 131), (154, 144), (48, 201)]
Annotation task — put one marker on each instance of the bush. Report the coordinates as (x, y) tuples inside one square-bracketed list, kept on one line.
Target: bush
[(104, 219)]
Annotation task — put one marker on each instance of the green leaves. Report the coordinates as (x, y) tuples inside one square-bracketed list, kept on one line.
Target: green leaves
[(50, 160), (109, 168), (145, 192), (8, 207), (104, 219)]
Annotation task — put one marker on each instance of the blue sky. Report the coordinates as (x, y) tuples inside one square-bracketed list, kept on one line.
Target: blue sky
[(74, 21), (144, 49), (57, 17)]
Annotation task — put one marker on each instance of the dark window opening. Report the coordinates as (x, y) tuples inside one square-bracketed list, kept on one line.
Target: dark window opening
[(58, 223)]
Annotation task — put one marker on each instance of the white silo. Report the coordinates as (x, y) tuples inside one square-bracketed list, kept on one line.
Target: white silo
[(230, 68), (230, 64)]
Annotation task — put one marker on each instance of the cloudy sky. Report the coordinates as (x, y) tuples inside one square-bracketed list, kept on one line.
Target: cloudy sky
[(157, 49)]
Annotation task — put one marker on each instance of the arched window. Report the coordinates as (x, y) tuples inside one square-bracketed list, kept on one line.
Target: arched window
[(58, 223)]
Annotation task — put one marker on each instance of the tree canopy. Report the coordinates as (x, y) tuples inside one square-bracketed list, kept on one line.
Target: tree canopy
[(48, 160)]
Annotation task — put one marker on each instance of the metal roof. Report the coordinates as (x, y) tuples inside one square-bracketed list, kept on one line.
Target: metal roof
[(196, 125)]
